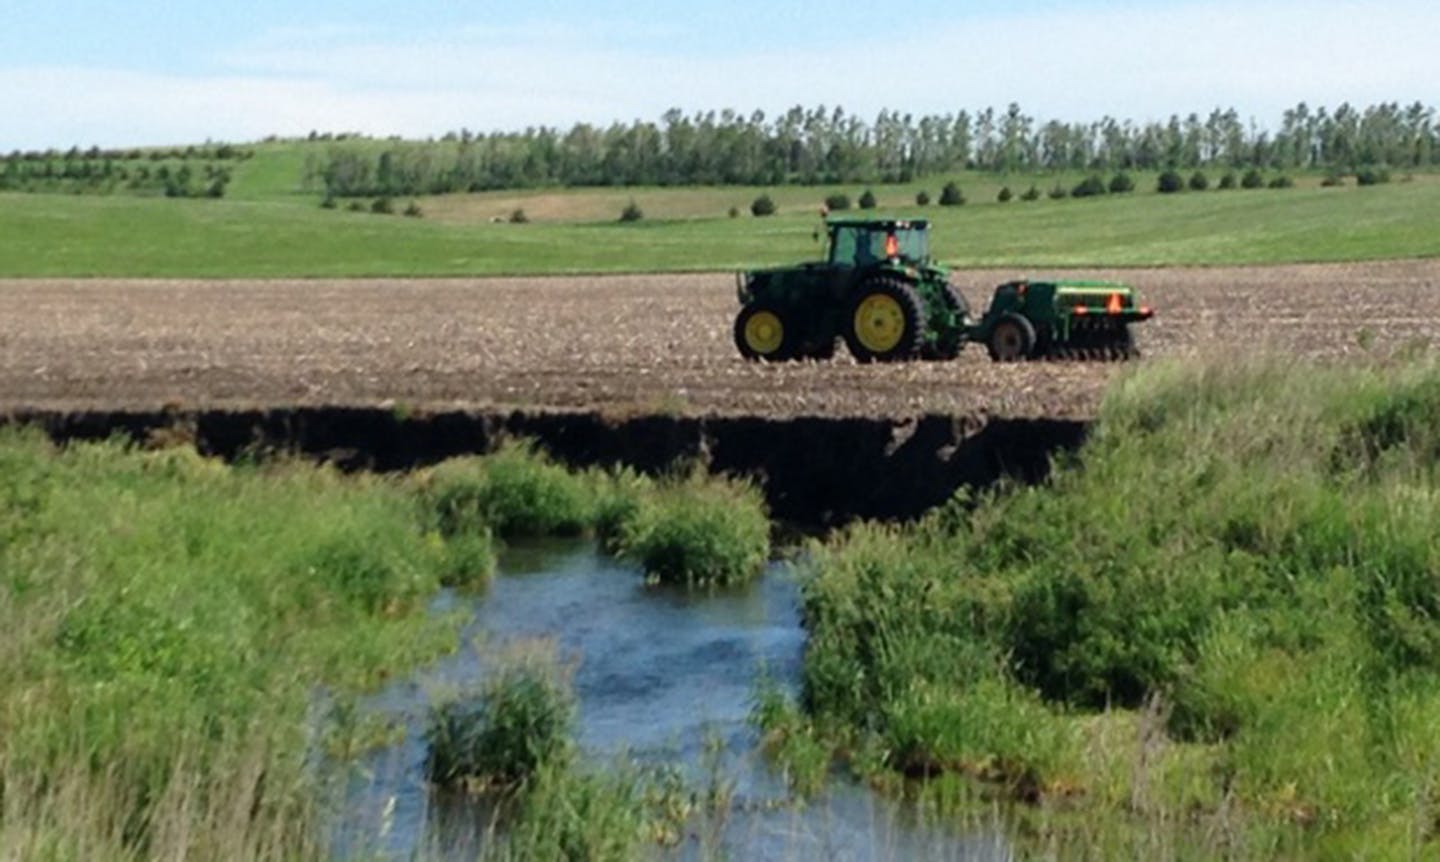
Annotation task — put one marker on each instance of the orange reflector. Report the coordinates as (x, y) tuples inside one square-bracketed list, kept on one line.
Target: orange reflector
[(1146, 310), (1082, 310), (892, 246), (1115, 305)]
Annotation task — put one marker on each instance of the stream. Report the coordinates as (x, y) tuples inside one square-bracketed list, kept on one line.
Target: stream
[(662, 676)]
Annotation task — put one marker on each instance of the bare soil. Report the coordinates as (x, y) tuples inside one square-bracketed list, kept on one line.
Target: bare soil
[(625, 344)]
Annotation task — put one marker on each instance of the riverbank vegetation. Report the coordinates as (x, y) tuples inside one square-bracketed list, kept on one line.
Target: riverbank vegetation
[(1215, 630), (182, 641), (165, 624), (1218, 627)]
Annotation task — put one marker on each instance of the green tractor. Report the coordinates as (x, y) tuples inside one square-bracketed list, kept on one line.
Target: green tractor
[(880, 292)]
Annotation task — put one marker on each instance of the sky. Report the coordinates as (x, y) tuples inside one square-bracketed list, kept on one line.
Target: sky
[(153, 72)]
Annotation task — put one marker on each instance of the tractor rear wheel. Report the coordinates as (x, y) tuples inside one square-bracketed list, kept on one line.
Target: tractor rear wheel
[(761, 333), (883, 324), (1012, 338)]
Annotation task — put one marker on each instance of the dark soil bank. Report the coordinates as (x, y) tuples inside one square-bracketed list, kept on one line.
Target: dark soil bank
[(815, 471)]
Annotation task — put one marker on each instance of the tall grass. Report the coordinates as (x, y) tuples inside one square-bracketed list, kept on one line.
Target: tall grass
[(1244, 555), (688, 528), (164, 623), (521, 723), (698, 530)]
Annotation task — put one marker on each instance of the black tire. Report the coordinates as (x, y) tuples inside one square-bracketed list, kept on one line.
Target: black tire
[(882, 321), (1012, 338), (753, 333), (949, 344)]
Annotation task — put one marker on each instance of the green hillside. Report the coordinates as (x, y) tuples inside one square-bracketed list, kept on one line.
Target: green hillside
[(269, 224)]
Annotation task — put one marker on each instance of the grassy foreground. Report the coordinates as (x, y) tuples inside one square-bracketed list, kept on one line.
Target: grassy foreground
[(182, 642), (165, 624), (268, 227), (1217, 633)]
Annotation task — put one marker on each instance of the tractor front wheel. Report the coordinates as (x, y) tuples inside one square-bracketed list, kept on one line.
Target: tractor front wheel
[(884, 321), (1011, 339), (761, 333)]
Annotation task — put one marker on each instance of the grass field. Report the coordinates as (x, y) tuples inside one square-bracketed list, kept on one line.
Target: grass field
[(269, 226)]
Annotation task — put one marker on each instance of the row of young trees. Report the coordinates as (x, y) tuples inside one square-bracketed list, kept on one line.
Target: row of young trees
[(823, 145), (206, 152), (110, 176)]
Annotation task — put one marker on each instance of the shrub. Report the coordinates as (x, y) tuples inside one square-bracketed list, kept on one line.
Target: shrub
[(762, 206), (734, 212), (867, 200), (922, 198), (521, 723), (356, 207), (1058, 192), (1332, 179), (382, 206), (632, 212), (1004, 195), (1169, 182), (1282, 182), (1370, 176), (518, 216), (414, 211), (699, 531), (1121, 183), (1229, 181), (837, 201), (951, 196), (516, 491), (1089, 187), (1031, 194), (1199, 182), (1253, 179), (329, 203)]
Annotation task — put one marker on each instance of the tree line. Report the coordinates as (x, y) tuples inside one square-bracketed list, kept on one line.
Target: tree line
[(109, 176), (812, 146), (187, 172)]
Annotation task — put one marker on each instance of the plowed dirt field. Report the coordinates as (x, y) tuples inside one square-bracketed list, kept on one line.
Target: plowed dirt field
[(626, 344)]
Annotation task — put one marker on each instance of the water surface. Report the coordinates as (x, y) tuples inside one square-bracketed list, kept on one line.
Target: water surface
[(661, 675)]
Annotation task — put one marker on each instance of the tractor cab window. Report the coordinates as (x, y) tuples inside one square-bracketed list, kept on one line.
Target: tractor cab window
[(859, 246), (914, 244), (843, 245)]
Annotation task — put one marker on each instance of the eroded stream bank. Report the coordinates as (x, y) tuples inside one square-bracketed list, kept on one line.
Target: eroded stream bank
[(815, 471)]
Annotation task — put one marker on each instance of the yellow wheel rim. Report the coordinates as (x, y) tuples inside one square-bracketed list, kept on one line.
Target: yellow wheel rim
[(879, 323), (764, 332)]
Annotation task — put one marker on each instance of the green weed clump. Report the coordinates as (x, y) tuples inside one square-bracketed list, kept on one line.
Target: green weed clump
[(698, 531), (1242, 558), (521, 723), (517, 491)]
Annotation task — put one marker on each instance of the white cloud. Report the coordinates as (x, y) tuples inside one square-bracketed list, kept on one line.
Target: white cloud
[(1137, 62)]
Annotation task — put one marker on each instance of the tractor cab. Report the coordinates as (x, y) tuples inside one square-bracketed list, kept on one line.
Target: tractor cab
[(865, 243)]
